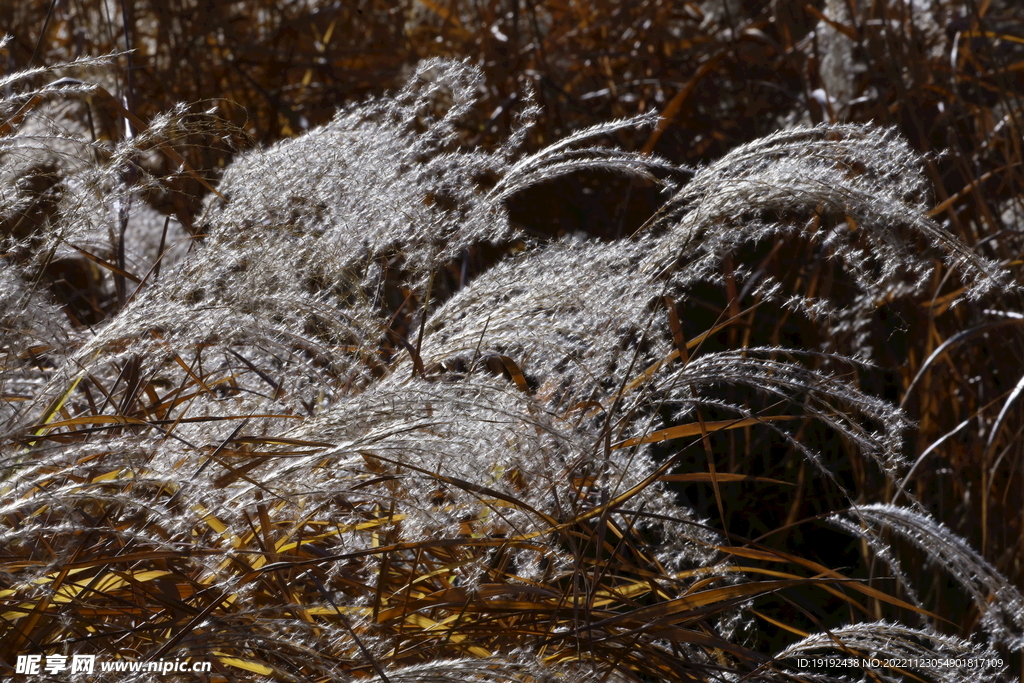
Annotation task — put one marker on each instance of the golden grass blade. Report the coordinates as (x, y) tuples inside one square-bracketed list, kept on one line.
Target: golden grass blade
[(722, 477), (779, 556), (694, 429)]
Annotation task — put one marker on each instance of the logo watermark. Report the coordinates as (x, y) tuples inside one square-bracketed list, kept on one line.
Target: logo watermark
[(900, 662), (33, 665)]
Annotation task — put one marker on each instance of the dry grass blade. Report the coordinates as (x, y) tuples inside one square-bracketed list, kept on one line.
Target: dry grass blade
[(700, 429)]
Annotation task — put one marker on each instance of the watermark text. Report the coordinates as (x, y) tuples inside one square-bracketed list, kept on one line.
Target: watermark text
[(32, 665)]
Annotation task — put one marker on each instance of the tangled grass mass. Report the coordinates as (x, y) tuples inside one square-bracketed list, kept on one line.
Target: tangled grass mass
[(352, 418)]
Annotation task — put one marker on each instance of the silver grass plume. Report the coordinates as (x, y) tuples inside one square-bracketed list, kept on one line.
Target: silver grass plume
[(882, 640), (572, 314), (998, 601), (483, 433), (855, 191), (872, 424), (387, 177), (488, 670)]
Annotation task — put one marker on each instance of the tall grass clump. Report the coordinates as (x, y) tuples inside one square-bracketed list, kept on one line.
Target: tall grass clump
[(350, 420)]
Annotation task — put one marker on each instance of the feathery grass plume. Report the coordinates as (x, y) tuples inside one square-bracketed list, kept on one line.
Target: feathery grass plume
[(77, 225), (573, 315), (870, 424), (31, 326), (384, 179), (490, 670), (41, 146), (564, 158), (478, 430), (858, 192), (920, 650), (997, 600), (458, 448)]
